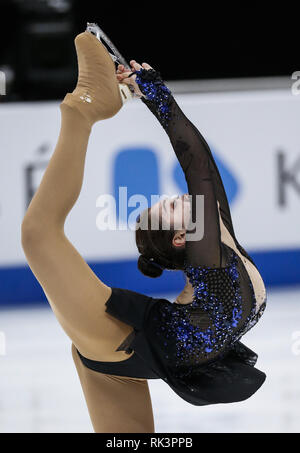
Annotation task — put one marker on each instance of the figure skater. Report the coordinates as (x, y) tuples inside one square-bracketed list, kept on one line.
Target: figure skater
[(121, 338)]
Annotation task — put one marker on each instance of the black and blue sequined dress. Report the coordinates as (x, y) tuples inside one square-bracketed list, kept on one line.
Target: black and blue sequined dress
[(195, 347)]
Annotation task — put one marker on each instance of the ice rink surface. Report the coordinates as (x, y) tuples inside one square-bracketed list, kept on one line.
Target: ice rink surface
[(40, 390)]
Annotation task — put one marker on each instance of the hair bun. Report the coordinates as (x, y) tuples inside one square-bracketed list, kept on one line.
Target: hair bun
[(147, 268)]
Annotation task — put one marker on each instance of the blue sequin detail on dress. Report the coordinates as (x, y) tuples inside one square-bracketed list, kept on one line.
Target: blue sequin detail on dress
[(203, 329), (153, 87)]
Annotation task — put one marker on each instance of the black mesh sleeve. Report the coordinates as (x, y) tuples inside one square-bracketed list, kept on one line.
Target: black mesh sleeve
[(199, 168)]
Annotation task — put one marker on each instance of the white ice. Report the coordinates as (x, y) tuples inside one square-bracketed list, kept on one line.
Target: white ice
[(40, 390)]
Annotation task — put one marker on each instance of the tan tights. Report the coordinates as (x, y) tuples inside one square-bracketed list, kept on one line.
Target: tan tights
[(116, 403), (76, 295)]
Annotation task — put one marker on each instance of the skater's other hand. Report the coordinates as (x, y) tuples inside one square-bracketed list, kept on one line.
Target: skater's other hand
[(123, 75)]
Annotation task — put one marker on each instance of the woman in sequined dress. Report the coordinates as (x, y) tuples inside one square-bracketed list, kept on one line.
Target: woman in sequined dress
[(225, 295), (121, 338)]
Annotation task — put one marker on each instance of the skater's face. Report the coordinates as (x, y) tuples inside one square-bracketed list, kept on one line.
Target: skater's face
[(173, 212)]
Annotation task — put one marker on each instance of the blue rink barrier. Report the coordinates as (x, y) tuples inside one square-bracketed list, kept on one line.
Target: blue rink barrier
[(18, 286)]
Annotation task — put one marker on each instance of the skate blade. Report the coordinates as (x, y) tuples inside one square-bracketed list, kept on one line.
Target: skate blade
[(126, 92), (111, 48)]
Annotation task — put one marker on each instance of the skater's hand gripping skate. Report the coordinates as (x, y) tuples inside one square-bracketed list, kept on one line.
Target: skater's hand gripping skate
[(124, 73)]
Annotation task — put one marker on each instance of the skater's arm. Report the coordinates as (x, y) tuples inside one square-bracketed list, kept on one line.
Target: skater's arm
[(193, 155)]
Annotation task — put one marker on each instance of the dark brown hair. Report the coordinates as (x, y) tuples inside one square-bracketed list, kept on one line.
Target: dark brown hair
[(156, 248)]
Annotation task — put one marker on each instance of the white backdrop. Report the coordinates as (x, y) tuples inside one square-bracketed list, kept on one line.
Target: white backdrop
[(247, 130)]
